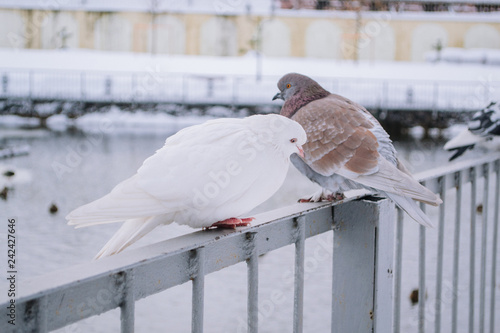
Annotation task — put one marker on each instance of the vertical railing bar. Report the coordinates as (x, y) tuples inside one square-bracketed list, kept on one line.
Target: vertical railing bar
[(298, 304), (482, 283), (456, 250), (439, 268), (82, 85), (43, 315), (472, 259), (30, 83), (35, 317), (253, 284), (197, 268), (332, 319), (421, 274), (398, 269), (494, 250), (127, 306)]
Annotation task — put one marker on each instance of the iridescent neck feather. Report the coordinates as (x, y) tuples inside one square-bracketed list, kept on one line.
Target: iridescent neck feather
[(301, 98)]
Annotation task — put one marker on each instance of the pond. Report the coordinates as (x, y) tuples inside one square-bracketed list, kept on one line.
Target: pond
[(69, 166)]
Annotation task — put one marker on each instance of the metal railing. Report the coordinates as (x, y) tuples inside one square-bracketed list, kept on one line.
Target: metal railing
[(451, 182), (367, 254), (159, 87)]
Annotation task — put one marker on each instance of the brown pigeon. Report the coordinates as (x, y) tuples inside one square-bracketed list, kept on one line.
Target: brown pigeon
[(347, 148)]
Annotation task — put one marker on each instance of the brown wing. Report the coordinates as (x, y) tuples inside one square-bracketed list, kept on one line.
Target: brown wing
[(338, 136)]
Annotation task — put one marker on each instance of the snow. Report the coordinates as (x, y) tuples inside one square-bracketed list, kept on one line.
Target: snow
[(118, 120), (92, 60), (460, 55), (97, 76)]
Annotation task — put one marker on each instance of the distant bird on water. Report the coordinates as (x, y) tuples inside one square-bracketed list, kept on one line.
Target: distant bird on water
[(347, 148), (53, 209), (483, 127), (9, 173), (206, 175)]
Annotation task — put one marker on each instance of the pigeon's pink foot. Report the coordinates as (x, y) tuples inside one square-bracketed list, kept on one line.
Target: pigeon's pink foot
[(232, 223)]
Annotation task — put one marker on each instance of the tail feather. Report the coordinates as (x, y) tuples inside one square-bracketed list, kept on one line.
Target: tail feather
[(399, 182), (464, 139), (130, 232), (411, 208), (459, 152), (126, 201)]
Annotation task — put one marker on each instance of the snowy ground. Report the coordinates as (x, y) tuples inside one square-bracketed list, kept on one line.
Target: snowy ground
[(91, 60)]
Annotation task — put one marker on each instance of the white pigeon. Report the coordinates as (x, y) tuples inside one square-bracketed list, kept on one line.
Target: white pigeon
[(204, 176), (347, 148), (484, 126)]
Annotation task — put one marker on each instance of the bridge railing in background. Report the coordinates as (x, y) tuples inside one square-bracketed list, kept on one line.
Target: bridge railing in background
[(237, 90)]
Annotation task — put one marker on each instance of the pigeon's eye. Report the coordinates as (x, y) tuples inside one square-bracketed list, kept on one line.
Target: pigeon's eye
[(288, 85), (293, 140)]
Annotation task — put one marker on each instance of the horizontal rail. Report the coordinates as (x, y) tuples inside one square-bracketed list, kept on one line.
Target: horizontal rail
[(79, 292), (430, 177)]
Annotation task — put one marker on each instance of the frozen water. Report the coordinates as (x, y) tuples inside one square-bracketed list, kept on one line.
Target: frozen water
[(98, 160)]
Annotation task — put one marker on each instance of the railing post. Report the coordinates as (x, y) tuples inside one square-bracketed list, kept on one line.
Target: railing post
[(83, 93), (363, 253), (34, 316), (253, 284), (124, 281), (5, 83), (435, 97), (300, 245), (30, 83), (234, 98), (197, 273)]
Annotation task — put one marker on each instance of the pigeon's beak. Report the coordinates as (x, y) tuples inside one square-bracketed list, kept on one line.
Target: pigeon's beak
[(278, 95), (301, 151)]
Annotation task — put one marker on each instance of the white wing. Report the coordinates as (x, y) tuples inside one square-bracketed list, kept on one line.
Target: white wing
[(166, 180)]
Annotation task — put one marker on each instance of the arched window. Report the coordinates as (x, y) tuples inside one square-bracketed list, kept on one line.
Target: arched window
[(219, 37), (275, 39), (426, 37), (169, 36), (323, 40), (112, 33), (60, 30), (482, 36), (12, 34), (377, 42)]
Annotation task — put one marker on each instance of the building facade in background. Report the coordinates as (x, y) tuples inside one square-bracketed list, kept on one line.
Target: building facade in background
[(384, 32)]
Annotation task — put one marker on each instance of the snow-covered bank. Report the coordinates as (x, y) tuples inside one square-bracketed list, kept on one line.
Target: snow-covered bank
[(120, 120), (108, 77), (91, 60)]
